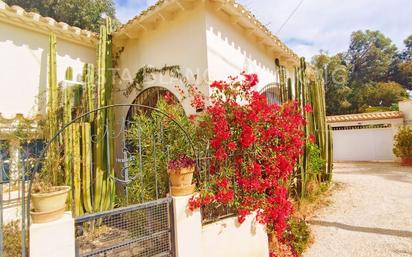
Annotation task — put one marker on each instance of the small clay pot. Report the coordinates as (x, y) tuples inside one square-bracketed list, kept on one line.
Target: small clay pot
[(182, 177), (183, 190)]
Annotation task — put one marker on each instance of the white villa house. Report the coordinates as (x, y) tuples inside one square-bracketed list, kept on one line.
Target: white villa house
[(208, 40)]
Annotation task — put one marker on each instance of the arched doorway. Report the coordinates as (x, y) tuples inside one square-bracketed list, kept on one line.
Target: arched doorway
[(272, 93), (149, 97)]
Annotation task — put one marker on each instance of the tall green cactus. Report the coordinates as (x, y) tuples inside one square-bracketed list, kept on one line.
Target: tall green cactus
[(67, 117), (88, 164), (104, 158), (309, 90), (52, 165)]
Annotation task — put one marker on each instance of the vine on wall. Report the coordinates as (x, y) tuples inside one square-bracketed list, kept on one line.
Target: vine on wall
[(145, 71)]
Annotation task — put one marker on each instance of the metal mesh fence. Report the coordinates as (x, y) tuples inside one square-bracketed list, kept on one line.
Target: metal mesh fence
[(211, 212), (143, 230)]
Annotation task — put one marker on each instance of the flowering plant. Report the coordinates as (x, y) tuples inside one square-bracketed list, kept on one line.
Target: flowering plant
[(181, 162), (255, 147)]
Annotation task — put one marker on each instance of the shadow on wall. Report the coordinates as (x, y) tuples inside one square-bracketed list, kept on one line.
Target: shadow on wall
[(37, 45)]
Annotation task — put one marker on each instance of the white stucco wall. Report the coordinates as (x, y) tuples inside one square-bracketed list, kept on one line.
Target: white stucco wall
[(180, 41), (368, 144), (23, 68), (229, 238), (225, 238), (230, 51)]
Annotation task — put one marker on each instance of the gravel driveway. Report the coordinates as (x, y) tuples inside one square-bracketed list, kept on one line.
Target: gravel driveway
[(371, 216)]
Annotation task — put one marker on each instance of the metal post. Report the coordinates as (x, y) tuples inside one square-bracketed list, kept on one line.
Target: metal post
[(23, 206), (1, 205)]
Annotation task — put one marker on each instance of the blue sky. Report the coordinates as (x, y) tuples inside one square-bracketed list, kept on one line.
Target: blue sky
[(316, 24)]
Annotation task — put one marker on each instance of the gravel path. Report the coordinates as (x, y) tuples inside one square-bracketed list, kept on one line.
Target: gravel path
[(370, 217)]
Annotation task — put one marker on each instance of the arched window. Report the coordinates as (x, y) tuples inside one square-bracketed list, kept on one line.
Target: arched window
[(272, 93)]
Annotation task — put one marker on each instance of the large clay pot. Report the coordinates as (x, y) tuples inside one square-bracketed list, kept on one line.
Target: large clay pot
[(48, 207), (44, 217), (406, 161)]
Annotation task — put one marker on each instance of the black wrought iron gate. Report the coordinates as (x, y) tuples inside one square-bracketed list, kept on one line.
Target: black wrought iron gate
[(143, 230)]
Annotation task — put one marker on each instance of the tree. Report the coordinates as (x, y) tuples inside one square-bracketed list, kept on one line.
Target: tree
[(369, 56), (381, 94), (407, 53), (85, 14), (335, 75), (387, 93), (401, 68)]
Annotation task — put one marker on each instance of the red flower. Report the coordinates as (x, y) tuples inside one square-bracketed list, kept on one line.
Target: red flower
[(231, 146), (265, 141), (307, 108), (221, 154), (168, 97), (312, 138), (217, 84), (247, 138), (222, 183)]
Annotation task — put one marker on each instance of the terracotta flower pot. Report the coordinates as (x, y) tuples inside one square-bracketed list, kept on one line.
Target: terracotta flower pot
[(406, 161), (181, 177), (183, 190), (48, 202), (44, 217), (181, 181)]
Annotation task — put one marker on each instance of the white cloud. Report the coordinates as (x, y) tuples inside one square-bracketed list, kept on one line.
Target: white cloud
[(327, 24), (317, 24)]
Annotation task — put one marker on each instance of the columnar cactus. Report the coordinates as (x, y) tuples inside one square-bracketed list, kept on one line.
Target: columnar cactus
[(88, 164), (309, 90), (53, 167)]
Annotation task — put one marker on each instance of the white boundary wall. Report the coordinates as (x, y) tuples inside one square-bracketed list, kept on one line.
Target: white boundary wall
[(366, 144), (369, 144), (225, 238)]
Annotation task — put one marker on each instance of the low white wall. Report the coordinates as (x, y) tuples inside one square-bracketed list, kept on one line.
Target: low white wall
[(227, 238), (367, 144)]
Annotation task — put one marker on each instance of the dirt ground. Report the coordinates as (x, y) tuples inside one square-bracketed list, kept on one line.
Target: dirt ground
[(370, 216)]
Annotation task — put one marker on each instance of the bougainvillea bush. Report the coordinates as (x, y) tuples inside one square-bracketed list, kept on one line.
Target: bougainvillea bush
[(255, 147)]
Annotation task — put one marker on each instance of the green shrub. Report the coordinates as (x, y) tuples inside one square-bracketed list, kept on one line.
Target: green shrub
[(403, 143), (316, 164), (298, 234)]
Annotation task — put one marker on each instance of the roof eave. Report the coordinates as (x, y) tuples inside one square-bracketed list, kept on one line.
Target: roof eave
[(17, 16)]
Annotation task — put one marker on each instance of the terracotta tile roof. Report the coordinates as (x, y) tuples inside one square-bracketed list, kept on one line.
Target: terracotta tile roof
[(364, 116), (19, 17), (240, 10)]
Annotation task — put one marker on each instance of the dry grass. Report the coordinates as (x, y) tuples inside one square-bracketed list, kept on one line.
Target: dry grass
[(320, 197), (305, 209)]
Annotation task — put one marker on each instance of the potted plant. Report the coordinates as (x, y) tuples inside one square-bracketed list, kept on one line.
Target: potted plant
[(180, 172), (403, 146), (49, 202)]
